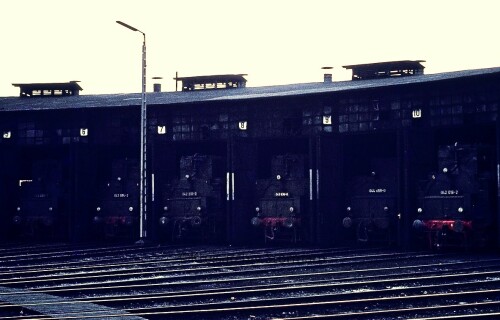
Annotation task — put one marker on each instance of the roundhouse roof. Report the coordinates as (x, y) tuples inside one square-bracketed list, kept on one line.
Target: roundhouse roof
[(171, 98)]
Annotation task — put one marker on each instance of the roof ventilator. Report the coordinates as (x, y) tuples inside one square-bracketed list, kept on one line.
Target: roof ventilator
[(222, 81), (64, 89), (387, 69)]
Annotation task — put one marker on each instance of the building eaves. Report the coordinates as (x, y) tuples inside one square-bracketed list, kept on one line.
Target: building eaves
[(173, 98)]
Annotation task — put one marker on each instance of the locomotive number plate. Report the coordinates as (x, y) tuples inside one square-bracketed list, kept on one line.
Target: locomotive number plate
[(120, 195), (448, 192), (281, 194), (379, 190), (40, 195), (190, 194)]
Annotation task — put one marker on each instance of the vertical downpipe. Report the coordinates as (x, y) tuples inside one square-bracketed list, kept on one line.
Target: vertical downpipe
[(498, 180), (317, 184), (152, 187), (401, 183), (319, 219), (498, 191), (232, 186), (311, 184), (227, 185), (408, 164), (311, 214), (229, 206)]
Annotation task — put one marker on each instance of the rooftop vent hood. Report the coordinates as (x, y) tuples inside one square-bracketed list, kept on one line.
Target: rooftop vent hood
[(31, 90), (387, 69), (221, 81)]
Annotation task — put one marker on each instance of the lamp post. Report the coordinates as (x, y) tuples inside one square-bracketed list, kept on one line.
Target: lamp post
[(143, 182)]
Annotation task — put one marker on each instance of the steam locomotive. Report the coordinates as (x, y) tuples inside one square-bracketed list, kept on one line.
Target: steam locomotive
[(455, 204), (192, 203), (39, 201), (117, 205), (371, 211), (280, 208)]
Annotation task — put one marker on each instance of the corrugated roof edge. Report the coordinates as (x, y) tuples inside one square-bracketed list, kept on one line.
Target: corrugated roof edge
[(347, 85), (171, 98)]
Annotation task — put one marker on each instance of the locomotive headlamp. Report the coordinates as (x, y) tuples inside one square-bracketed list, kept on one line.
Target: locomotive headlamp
[(457, 226), (288, 223), (257, 209), (348, 209), (47, 222), (460, 209), (187, 176), (386, 209), (163, 220), (255, 221), (98, 209), (131, 209), (418, 224), (119, 178), (291, 209), (128, 221), (18, 209), (50, 208), (165, 208), (419, 210), (445, 170), (196, 221), (278, 177), (347, 222), (198, 208)]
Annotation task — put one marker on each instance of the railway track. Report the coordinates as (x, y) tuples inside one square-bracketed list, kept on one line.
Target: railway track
[(158, 282)]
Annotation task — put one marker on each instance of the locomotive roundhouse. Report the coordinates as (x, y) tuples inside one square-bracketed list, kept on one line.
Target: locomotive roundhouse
[(394, 157)]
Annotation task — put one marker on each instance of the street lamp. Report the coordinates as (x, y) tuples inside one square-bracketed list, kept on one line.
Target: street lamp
[(143, 183)]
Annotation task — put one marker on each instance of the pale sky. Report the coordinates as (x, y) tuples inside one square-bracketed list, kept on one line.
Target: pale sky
[(273, 41)]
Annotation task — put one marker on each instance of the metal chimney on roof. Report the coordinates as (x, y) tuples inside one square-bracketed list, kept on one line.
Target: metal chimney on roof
[(327, 76), (157, 86)]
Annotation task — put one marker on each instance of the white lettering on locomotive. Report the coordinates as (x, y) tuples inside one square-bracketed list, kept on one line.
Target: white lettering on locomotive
[(448, 192), (281, 194), (379, 190), (120, 195), (189, 194)]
